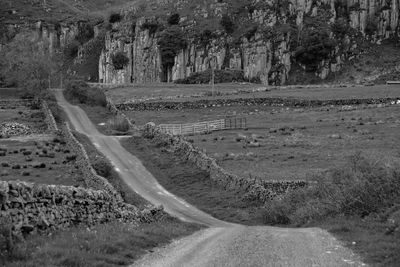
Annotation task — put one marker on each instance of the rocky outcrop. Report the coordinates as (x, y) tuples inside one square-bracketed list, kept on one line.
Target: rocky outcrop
[(31, 207), (267, 59), (143, 53)]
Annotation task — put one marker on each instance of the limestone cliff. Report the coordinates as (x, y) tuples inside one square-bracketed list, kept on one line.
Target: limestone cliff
[(265, 57)]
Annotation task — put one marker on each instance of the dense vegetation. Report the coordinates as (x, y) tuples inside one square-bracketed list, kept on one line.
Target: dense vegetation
[(81, 92), (359, 202), (220, 76)]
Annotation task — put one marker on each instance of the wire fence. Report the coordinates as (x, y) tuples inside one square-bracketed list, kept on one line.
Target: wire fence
[(203, 127)]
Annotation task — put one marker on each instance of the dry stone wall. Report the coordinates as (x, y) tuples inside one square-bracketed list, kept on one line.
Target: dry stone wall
[(254, 188), (49, 118), (92, 180), (32, 207), (209, 103)]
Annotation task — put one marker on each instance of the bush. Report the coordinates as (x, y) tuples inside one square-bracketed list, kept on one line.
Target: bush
[(6, 239), (227, 23), (81, 92), (174, 19), (85, 33), (71, 49), (119, 60), (360, 188), (102, 167), (171, 42), (119, 123), (221, 76), (115, 17), (151, 26)]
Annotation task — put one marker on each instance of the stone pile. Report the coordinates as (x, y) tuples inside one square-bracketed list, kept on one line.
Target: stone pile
[(8, 129)]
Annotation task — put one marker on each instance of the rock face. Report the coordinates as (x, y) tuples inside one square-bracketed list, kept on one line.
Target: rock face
[(269, 60)]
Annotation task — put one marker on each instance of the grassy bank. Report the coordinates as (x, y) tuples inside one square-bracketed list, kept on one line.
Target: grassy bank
[(113, 244), (359, 203), (185, 180), (104, 168)]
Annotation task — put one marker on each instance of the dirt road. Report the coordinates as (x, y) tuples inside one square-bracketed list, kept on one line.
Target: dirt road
[(223, 244)]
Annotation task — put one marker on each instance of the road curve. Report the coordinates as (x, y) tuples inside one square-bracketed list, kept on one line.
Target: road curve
[(132, 171), (224, 244)]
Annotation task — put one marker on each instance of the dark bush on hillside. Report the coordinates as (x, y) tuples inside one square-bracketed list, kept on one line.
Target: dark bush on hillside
[(227, 23), (151, 26), (119, 60), (174, 19), (221, 76), (71, 50), (81, 92), (316, 46), (85, 33), (360, 188), (115, 17), (371, 28), (171, 42)]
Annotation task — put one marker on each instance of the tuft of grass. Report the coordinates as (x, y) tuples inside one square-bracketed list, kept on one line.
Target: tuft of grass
[(119, 123), (113, 244), (354, 203), (360, 188)]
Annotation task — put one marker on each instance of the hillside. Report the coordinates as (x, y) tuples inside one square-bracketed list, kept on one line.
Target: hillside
[(25, 11)]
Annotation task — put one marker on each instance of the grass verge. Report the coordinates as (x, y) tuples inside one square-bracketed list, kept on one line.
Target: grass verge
[(359, 203), (113, 244), (185, 180), (104, 168)]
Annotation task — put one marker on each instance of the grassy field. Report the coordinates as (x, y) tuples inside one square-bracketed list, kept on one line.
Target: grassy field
[(292, 143), (45, 162), (185, 180), (113, 244), (167, 90), (179, 92)]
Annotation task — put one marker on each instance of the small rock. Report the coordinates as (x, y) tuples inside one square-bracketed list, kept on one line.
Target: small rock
[(26, 173), (5, 164), (16, 167)]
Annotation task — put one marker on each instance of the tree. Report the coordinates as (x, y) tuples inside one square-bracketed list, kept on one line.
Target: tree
[(174, 19), (26, 62), (227, 23), (172, 41), (119, 60)]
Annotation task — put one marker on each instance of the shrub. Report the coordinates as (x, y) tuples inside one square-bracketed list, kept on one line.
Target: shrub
[(115, 17), (221, 76), (151, 26), (227, 23), (81, 92), (360, 188), (316, 46), (6, 238), (71, 50), (85, 33), (119, 123), (102, 167), (174, 19), (372, 27), (171, 42), (119, 60)]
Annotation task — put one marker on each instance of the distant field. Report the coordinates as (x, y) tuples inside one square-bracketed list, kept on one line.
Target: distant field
[(181, 92), (295, 143), (167, 90)]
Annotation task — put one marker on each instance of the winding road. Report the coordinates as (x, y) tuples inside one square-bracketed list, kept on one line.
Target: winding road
[(222, 244)]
